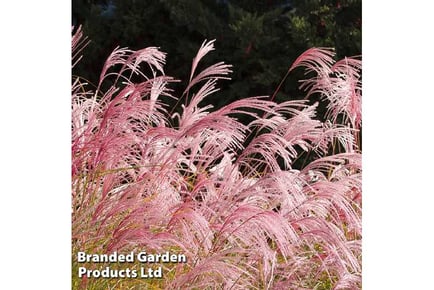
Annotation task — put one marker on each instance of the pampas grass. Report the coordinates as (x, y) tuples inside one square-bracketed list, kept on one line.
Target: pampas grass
[(245, 217)]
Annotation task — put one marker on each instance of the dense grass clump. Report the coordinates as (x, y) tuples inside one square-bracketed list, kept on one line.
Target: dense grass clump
[(147, 178)]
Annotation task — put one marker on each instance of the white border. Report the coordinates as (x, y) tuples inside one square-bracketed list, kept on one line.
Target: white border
[(397, 145), (35, 145)]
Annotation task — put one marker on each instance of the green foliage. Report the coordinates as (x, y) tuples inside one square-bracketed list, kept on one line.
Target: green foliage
[(260, 38)]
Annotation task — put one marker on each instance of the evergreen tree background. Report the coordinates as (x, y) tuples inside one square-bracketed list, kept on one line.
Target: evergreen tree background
[(260, 39)]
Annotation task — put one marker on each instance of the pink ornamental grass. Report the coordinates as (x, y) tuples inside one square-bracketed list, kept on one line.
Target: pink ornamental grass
[(242, 214)]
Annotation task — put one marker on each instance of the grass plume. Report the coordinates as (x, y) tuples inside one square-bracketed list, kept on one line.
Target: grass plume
[(245, 217)]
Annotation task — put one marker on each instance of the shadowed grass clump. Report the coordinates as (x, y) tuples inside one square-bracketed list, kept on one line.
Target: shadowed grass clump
[(147, 179)]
